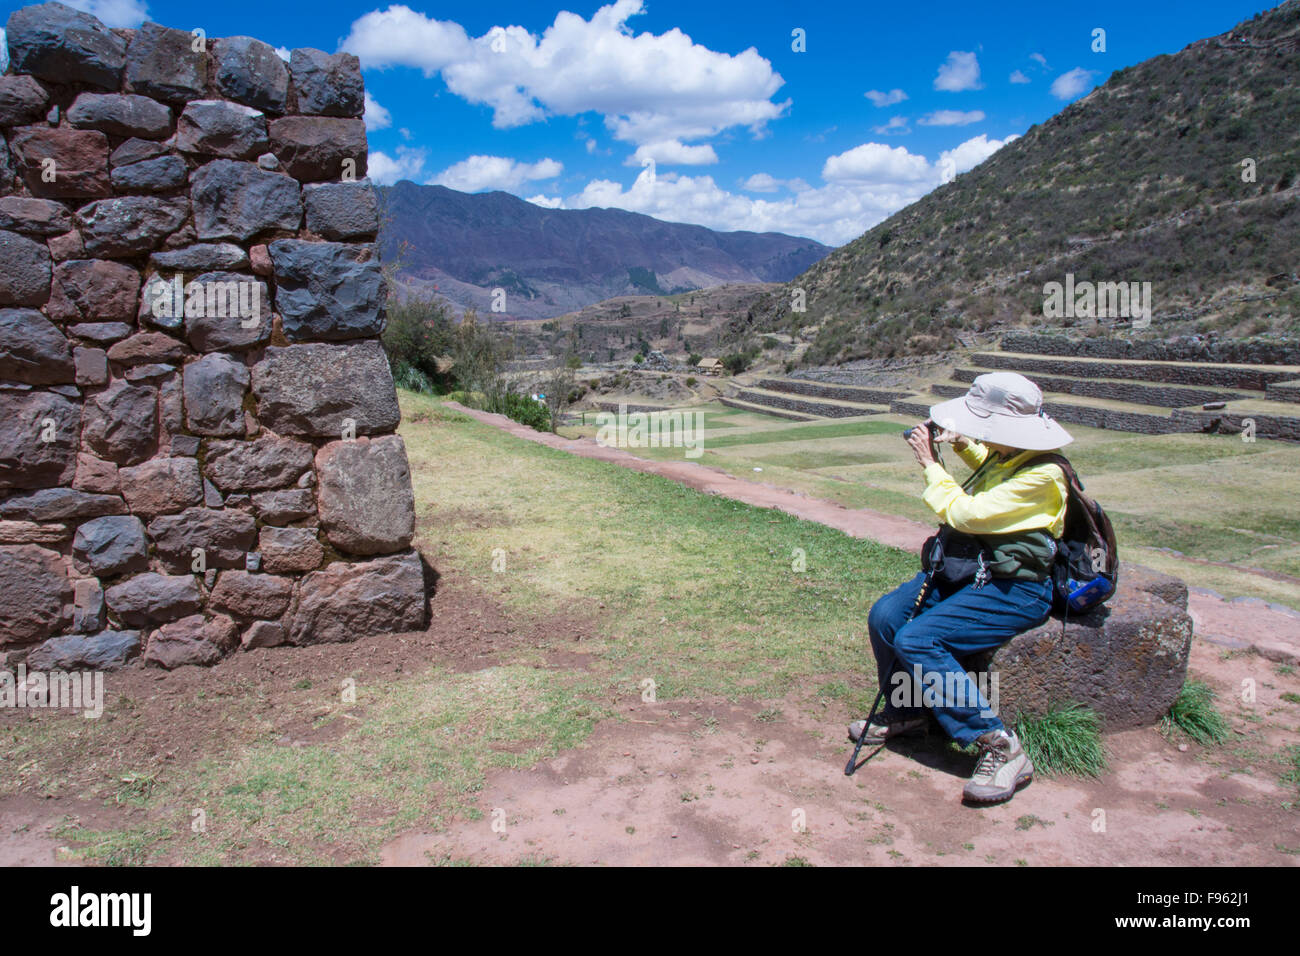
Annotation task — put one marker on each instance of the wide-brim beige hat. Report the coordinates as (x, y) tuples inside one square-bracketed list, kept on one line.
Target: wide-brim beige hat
[(1002, 407)]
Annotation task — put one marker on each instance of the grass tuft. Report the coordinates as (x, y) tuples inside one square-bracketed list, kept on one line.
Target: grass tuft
[(1065, 741), (1194, 714)]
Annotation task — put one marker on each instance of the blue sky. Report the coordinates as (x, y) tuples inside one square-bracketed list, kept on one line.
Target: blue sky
[(703, 111)]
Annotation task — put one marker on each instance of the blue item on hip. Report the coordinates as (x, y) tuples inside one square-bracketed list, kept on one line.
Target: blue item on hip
[(1086, 595)]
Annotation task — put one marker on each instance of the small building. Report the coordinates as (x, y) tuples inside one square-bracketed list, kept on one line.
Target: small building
[(709, 366)]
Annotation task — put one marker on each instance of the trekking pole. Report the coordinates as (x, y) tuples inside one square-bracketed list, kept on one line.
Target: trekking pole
[(926, 586)]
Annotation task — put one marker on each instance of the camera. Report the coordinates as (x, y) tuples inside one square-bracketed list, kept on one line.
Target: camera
[(931, 427)]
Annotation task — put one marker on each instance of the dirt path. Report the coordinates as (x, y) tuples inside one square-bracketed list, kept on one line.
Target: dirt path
[(1271, 630)]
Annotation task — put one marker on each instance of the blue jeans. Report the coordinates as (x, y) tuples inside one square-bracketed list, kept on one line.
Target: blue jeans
[(949, 626)]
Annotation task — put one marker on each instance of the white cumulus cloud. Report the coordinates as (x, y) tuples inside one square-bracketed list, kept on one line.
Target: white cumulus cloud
[(673, 152), (896, 125), (1069, 85), (494, 172), (650, 88), (386, 170), (376, 116), (547, 202), (951, 118), (1018, 77), (876, 163), (960, 72), (114, 13), (974, 151), (885, 99)]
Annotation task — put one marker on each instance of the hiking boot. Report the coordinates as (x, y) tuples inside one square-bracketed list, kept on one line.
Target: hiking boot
[(1002, 768), (882, 730)]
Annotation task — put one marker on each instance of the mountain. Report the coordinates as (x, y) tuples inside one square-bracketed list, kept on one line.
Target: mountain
[(1140, 181), (461, 246)]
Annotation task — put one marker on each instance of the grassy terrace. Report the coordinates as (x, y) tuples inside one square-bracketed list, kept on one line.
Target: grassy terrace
[(1215, 498), (692, 591)]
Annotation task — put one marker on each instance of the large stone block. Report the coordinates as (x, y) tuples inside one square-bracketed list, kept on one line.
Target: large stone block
[(108, 650), (33, 350), (215, 387), (192, 640), (162, 486), (363, 489), (97, 290), (40, 433), (200, 257), (162, 63), (327, 84), (310, 390), (79, 159), (25, 270), (244, 595), (59, 504), (34, 217), (236, 200), (121, 422), (151, 175), (283, 507), (224, 537), (345, 602), (289, 550), (328, 291), (35, 594), (251, 72), (232, 314), (147, 348), (1126, 661), (111, 545), (121, 114), (314, 148), (129, 225), (342, 210), (221, 128), (22, 100), (269, 461), (55, 42), (153, 598)]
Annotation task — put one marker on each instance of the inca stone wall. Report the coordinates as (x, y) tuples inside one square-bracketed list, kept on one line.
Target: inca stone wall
[(196, 445)]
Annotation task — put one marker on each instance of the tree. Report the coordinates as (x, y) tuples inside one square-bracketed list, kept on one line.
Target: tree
[(558, 386)]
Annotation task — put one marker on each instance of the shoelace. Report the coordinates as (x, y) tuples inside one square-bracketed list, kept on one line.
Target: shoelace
[(990, 761)]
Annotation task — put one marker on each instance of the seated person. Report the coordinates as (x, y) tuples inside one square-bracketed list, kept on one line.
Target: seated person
[(997, 426)]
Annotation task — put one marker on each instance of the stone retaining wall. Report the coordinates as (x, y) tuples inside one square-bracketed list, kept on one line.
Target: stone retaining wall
[(733, 403), (804, 406), (1224, 376), (1139, 393), (197, 447), (845, 393), (1185, 349)]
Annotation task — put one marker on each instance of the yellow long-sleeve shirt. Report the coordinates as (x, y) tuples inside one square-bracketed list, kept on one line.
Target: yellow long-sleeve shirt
[(1000, 502)]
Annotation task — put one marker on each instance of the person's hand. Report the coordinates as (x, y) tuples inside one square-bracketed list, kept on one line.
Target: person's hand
[(920, 442), (951, 437)]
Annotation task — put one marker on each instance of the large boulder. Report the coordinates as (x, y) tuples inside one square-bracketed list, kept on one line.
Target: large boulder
[(237, 200), (251, 72), (345, 602), (114, 544), (244, 595), (121, 114), (235, 312), (152, 598), (364, 494), (108, 650), (121, 422), (288, 550), (327, 84), (269, 461), (192, 640), (314, 148), (312, 389), (97, 290), (129, 225), (27, 459), (162, 62), (35, 594), (1126, 661), (223, 537), (34, 217), (215, 386), (79, 158), (32, 349), (55, 42), (342, 210), (327, 291), (22, 100), (222, 128), (162, 486), (25, 270)]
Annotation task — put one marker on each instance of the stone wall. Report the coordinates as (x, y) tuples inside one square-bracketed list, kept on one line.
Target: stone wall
[(1192, 348), (196, 446)]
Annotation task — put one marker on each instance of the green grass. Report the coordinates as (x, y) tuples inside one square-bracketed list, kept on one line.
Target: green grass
[(1065, 741), (1194, 713)]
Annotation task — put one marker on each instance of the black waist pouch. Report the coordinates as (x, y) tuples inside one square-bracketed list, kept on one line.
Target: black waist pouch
[(955, 558)]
